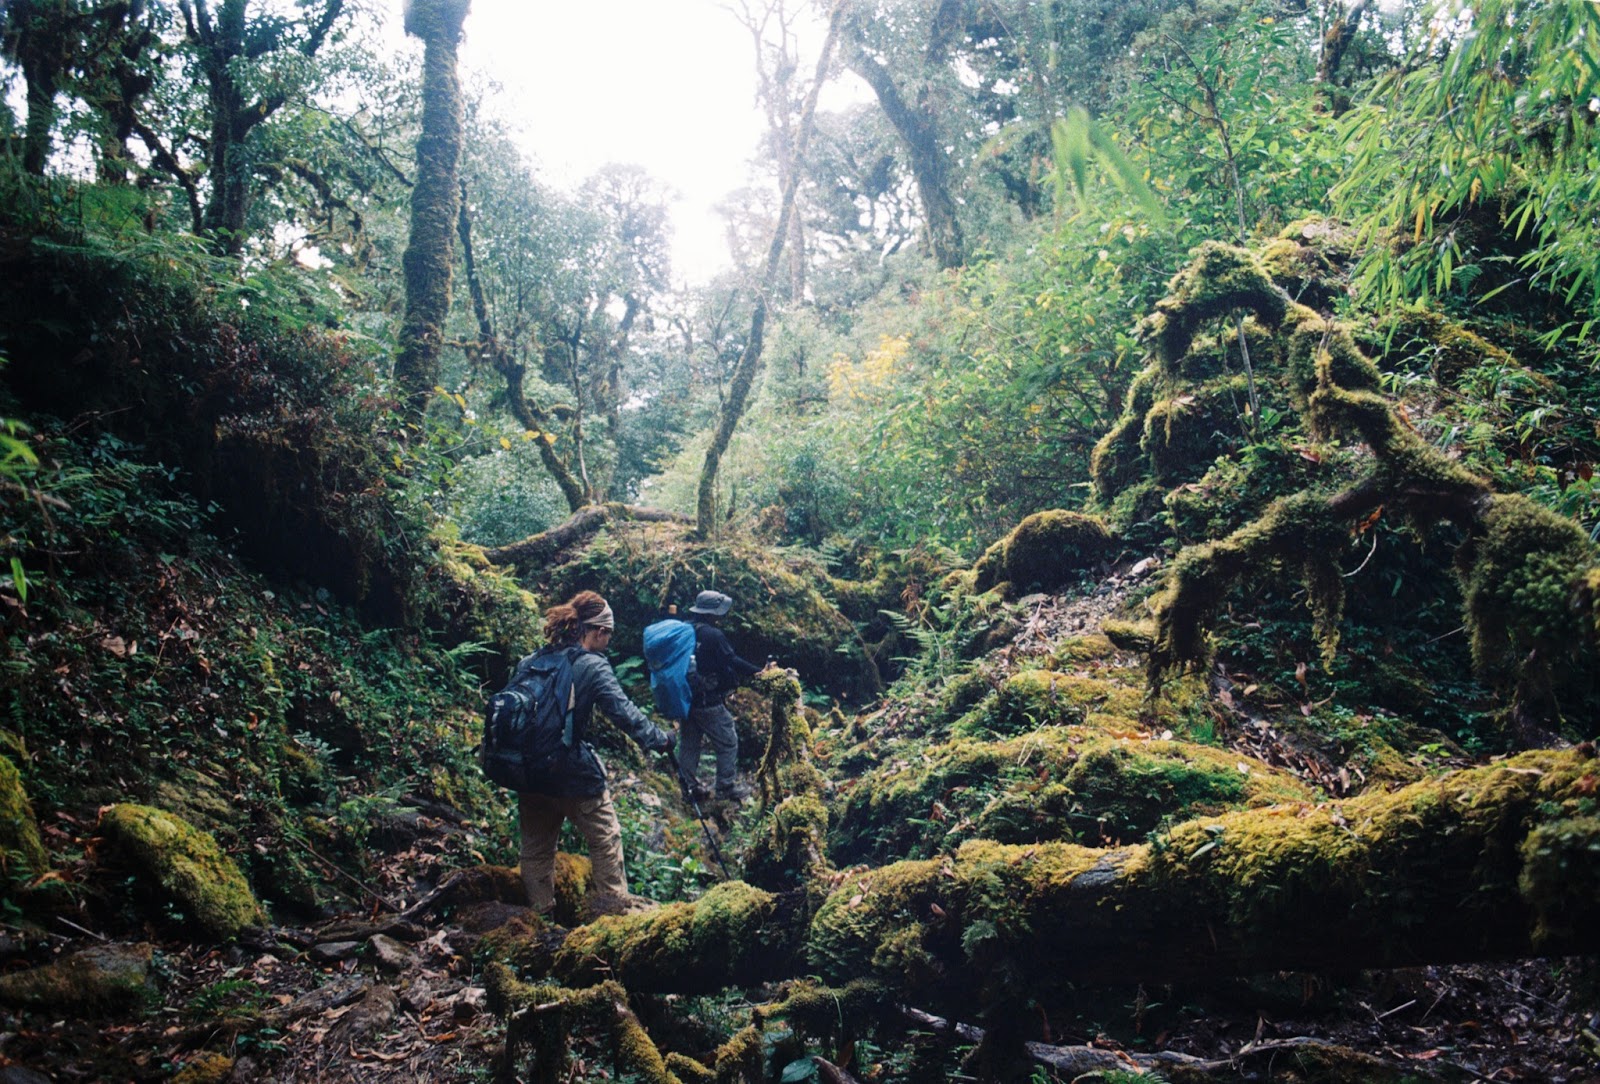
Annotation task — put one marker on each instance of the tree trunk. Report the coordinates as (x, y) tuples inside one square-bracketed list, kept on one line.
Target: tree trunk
[(930, 165), (750, 359), (430, 251), (530, 417), (1488, 863)]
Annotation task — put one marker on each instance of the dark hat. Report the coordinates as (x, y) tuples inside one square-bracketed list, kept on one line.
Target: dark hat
[(714, 603)]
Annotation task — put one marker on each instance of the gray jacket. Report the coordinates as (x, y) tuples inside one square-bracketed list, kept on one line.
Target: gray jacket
[(594, 686)]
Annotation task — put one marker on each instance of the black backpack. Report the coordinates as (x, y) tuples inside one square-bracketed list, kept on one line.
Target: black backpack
[(527, 726)]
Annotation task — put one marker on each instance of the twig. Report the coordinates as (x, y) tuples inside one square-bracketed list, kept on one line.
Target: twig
[(80, 929)]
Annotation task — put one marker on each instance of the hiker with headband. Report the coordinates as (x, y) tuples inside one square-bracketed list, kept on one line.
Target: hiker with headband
[(575, 789)]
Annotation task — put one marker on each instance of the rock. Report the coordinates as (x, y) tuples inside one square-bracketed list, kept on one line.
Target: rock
[(332, 996), (333, 951), (348, 930), (19, 829), (370, 1015), (417, 996), (390, 954), (17, 1074), (186, 864), (469, 1003), (105, 977)]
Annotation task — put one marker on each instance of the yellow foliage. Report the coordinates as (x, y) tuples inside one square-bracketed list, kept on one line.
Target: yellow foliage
[(849, 381)]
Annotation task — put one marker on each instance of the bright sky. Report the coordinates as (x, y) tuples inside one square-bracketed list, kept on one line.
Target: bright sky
[(668, 84)]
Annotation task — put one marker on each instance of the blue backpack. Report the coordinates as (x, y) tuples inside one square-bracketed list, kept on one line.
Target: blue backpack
[(669, 653), (527, 726)]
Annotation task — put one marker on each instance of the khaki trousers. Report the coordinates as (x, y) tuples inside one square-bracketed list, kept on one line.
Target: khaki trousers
[(539, 818)]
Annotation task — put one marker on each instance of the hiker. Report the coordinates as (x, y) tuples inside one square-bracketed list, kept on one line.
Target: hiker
[(718, 671), (577, 790)]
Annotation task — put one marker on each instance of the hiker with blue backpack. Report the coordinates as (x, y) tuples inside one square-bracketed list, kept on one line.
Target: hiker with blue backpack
[(539, 750), (718, 670)]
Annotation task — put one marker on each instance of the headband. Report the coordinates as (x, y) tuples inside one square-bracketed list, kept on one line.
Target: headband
[(602, 620)]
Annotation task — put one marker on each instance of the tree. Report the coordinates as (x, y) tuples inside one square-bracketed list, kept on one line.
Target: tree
[(228, 46), (750, 359), (430, 252), (915, 113)]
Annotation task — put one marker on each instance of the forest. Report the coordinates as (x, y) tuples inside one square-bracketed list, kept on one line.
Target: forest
[(1152, 446)]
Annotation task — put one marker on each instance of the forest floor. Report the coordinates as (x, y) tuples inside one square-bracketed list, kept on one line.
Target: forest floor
[(368, 997), (372, 996)]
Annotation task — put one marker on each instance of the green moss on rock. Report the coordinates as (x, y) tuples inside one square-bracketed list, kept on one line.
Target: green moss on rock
[(102, 978), (22, 852), (184, 864)]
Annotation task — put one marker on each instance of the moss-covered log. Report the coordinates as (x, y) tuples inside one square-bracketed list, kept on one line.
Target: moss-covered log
[(1492, 862), (544, 547)]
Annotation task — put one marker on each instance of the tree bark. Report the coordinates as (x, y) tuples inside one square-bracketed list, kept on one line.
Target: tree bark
[(750, 359), (918, 129), (430, 250), (1493, 862)]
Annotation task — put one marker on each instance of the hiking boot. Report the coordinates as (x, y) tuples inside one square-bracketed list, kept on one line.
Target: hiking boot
[(733, 792), (698, 791)]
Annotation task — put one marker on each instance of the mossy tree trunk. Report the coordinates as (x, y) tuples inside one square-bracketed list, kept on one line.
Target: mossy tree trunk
[(750, 358), (430, 252), (1489, 863)]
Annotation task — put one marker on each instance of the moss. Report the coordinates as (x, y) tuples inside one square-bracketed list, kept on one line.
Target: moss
[(959, 695), (733, 934), (1082, 649), (1049, 549), (990, 570), (205, 1068), (479, 602), (186, 866), (1139, 636), (22, 852), (561, 1013), (1184, 433), (1521, 574), (1217, 280), (1434, 868), (742, 1057), (1133, 787), (787, 735), (1052, 784), (1560, 876), (103, 978), (574, 876), (789, 849)]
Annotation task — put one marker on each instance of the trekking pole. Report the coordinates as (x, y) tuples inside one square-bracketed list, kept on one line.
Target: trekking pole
[(694, 803)]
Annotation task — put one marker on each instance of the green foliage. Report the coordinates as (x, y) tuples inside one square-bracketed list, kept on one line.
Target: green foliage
[(1500, 195)]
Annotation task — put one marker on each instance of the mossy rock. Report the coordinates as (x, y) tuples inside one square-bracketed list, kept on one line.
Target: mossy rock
[(184, 864), (1070, 783), (1031, 699), (479, 602), (1049, 549), (1134, 787), (21, 849), (104, 978), (789, 849)]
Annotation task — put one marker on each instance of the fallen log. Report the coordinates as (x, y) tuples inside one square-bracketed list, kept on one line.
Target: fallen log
[(1493, 862), (541, 548)]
